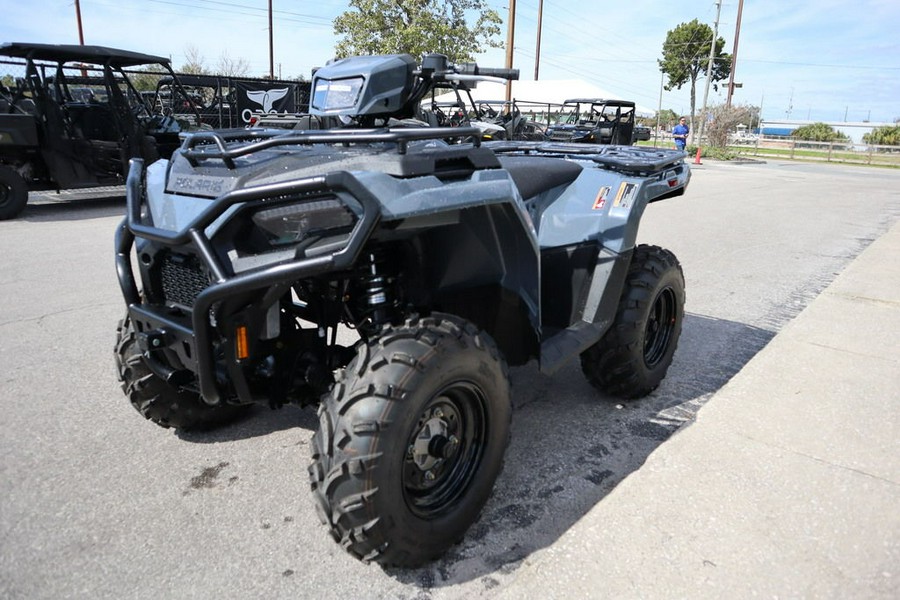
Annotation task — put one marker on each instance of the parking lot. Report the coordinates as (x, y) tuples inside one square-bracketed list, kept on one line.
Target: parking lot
[(99, 503)]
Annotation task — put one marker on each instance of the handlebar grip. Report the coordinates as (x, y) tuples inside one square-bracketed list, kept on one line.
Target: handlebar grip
[(474, 69), (511, 74)]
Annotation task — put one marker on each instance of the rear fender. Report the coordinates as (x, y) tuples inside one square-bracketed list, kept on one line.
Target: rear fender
[(604, 206)]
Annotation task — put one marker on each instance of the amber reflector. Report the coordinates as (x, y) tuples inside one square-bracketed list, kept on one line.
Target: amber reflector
[(241, 348)]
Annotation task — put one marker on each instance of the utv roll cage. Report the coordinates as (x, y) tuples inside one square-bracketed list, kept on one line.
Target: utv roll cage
[(73, 119), (595, 121)]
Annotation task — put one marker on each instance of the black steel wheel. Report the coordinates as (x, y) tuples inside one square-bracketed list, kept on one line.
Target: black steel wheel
[(634, 355), (13, 193), (445, 449), (411, 440), (660, 327), (156, 400)]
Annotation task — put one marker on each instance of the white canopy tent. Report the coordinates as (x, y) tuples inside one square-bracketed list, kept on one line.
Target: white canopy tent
[(554, 91)]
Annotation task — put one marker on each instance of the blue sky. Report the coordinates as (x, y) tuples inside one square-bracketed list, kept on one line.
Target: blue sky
[(827, 60)]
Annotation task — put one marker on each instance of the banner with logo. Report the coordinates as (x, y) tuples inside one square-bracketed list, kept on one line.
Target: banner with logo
[(255, 98)]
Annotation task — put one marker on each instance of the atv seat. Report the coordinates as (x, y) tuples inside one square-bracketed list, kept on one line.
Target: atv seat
[(536, 174)]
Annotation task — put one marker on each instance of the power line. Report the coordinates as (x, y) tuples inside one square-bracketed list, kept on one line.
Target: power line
[(825, 66), (257, 9)]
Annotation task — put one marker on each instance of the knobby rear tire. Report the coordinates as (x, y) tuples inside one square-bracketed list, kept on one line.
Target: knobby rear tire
[(632, 358)]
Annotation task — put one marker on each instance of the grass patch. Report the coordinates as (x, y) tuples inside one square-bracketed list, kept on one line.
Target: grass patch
[(875, 159)]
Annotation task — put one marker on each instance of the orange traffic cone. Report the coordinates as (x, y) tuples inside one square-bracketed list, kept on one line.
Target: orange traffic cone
[(697, 158)]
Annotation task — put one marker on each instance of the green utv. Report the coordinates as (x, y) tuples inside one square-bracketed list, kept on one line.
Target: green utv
[(446, 259)]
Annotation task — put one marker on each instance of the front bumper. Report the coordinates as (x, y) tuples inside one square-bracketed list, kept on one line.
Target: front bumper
[(193, 341)]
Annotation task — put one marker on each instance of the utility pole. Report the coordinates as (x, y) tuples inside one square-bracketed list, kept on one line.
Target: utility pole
[(759, 119), (510, 39), (737, 35), (662, 76), (271, 49), (537, 50), (80, 32), (709, 68), (78, 18)]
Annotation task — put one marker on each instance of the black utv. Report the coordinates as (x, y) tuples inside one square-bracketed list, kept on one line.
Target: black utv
[(594, 121), (71, 118), (389, 277)]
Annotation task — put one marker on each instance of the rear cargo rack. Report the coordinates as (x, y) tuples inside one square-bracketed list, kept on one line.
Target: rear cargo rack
[(214, 144), (627, 159)]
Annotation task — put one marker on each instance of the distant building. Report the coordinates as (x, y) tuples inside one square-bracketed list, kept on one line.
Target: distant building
[(786, 127)]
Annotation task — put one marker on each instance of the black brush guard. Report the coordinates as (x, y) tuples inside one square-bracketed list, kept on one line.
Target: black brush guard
[(212, 146), (222, 286)]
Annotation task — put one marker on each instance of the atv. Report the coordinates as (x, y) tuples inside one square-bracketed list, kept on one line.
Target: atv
[(390, 275)]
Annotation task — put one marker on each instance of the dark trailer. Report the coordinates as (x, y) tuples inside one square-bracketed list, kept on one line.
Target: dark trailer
[(54, 135)]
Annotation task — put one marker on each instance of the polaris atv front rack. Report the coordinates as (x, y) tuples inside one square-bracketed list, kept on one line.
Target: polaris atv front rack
[(195, 146)]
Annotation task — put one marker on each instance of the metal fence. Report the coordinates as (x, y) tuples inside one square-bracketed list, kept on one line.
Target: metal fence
[(838, 151), (220, 101)]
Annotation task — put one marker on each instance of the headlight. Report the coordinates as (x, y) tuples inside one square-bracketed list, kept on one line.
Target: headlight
[(292, 223), (339, 94)]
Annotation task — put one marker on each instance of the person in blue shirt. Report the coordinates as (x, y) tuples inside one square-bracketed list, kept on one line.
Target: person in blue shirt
[(680, 133)]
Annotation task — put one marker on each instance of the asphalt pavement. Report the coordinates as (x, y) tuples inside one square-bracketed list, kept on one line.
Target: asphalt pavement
[(787, 485), (762, 466)]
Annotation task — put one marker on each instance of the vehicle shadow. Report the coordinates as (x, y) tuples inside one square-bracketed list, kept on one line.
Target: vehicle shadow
[(571, 447), (259, 421), (43, 210)]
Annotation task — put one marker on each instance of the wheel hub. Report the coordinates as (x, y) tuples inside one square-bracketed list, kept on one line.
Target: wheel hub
[(434, 443), (444, 450)]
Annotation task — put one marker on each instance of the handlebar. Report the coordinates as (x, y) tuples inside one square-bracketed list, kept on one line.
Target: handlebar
[(474, 69)]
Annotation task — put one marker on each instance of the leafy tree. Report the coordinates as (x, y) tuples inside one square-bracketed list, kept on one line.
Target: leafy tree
[(887, 135), (686, 58), (417, 27), (667, 118), (818, 132)]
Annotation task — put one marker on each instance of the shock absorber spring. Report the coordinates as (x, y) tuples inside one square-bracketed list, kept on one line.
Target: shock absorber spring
[(377, 295)]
